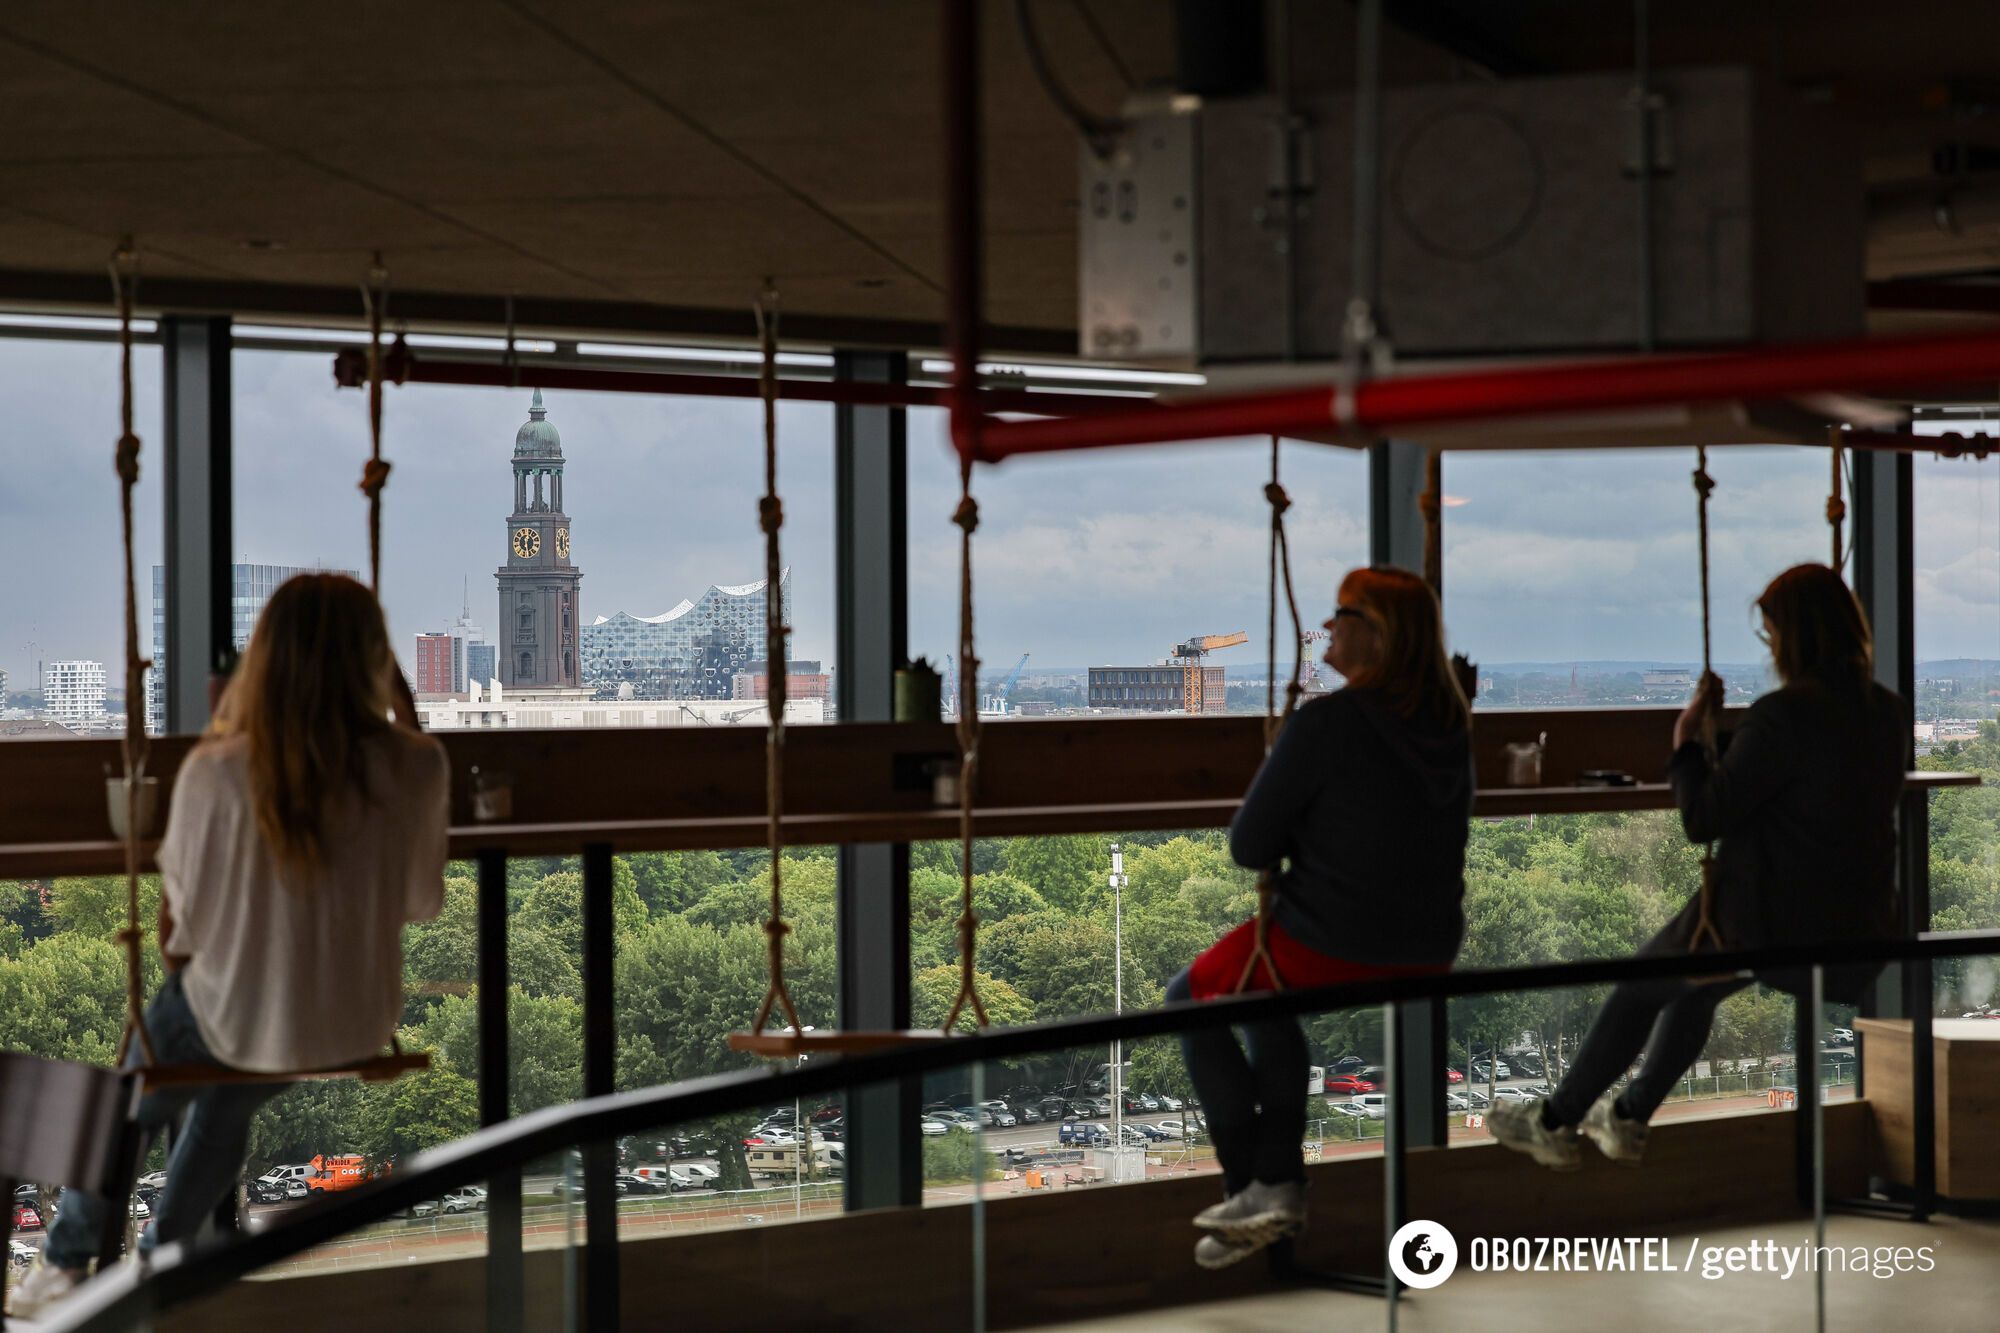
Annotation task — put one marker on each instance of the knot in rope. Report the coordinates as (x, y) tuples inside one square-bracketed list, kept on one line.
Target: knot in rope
[(1279, 501), (967, 515), (1704, 485), (771, 514), (1836, 509), (777, 929), (128, 459), (374, 476)]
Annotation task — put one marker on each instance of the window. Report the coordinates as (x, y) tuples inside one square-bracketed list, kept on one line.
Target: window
[(646, 587), (62, 626), (1098, 565), (1572, 577), (1957, 613)]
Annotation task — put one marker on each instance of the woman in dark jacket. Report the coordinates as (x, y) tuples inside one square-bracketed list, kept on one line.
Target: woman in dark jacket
[(1363, 801), (1803, 802)]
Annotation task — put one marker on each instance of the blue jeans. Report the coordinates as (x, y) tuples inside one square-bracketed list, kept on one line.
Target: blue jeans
[(1253, 1096), (208, 1148)]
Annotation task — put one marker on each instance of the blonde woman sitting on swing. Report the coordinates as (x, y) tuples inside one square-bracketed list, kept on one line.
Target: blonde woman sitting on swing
[(308, 827), (1803, 801), (1364, 802)]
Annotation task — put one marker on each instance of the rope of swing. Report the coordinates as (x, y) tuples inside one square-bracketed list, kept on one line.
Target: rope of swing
[(771, 518), (1274, 721), (375, 472), (966, 516), (124, 288), (1836, 507), (1704, 487)]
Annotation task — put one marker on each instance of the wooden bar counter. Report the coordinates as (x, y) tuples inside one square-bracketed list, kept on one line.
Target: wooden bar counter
[(1967, 1053)]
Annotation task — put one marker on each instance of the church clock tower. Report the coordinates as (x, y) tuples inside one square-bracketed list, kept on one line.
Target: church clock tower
[(540, 602)]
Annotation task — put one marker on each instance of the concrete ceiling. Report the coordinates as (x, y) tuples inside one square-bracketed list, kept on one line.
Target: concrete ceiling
[(653, 160)]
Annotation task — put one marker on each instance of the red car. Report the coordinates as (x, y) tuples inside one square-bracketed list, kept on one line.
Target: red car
[(26, 1218), (1453, 1076), (1348, 1083)]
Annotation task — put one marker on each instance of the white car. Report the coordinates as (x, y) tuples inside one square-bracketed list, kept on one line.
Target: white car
[(1512, 1095), (931, 1128), (20, 1253), (700, 1172), (140, 1209), (469, 1200), (1167, 1103), (154, 1180)]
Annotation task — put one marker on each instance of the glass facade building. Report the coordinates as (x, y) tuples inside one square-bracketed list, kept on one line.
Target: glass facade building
[(692, 652)]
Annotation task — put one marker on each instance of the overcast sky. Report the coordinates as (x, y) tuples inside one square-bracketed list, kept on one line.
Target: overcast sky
[(1105, 558)]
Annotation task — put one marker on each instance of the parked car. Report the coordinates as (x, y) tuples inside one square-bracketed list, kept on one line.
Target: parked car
[(26, 1217), (1178, 1128), (1453, 1076), (1512, 1095), (1348, 1083), (1346, 1064), (1081, 1108), (1028, 1113), (632, 1183), (1168, 1103), (1842, 1036), (20, 1253), (1486, 1073), (1084, 1134), (1153, 1133), (1454, 1102), (1349, 1109), (1476, 1101), (931, 1128), (140, 1209), (154, 1180), (700, 1172), (1527, 1062)]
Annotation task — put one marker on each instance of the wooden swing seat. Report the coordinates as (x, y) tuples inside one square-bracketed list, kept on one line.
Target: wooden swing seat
[(382, 1069), (785, 1044)]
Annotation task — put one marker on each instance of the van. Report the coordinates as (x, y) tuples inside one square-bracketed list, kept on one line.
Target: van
[(1375, 1104), (333, 1174)]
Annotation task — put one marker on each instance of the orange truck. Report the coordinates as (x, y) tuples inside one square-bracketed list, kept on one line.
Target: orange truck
[(333, 1174)]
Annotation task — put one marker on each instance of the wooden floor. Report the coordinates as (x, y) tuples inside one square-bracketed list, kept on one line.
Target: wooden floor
[(1957, 1295)]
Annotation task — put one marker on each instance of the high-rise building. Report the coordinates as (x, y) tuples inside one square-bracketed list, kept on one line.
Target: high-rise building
[(540, 594), (73, 692), (694, 651), (465, 635), (250, 587), (439, 662), (481, 667)]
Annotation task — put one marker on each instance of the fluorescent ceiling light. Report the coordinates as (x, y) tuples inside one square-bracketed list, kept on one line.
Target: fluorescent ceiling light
[(1105, 374), (746, 357), (78, 323)]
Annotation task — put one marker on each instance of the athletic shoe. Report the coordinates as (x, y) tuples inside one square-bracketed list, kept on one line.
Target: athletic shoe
[(42, 1288), (1213, 1252), (1518, 1125), (1257, 1214), (1616, 1137)]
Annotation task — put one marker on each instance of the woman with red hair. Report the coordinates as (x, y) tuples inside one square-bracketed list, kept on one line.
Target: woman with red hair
[(1360, 814)]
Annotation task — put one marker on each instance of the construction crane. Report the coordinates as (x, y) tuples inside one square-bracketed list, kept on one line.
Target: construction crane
[(1188, 655), (1006, 690)]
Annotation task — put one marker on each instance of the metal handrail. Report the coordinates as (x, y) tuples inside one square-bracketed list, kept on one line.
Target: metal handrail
[(176, 1274)]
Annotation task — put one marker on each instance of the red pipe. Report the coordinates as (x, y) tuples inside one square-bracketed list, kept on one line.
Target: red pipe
[(1378, 407), (350, 371)]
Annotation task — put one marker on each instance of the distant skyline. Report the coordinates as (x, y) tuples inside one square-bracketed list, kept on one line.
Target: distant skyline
[(1104, 558)]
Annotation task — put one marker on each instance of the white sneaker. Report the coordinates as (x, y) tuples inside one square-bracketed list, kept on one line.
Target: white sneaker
[(1518, 1125), (1257, 1214), (1213, 1252), (1616, 1137), (42, 1288)]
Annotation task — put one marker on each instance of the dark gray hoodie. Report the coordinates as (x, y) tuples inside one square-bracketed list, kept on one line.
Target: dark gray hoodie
[(1368, 811)]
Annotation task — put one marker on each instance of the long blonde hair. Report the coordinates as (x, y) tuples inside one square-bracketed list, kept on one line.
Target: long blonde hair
[(312, 685), (1411, 671)]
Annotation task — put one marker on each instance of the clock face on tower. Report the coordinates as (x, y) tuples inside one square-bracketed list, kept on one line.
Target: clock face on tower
[(527, 543), (562, 543)]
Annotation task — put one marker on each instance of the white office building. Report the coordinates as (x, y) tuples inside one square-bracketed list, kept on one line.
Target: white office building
[(497, 705), (73, 692)]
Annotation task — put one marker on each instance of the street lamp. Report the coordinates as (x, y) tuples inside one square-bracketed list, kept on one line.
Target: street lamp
[(1117, 882)]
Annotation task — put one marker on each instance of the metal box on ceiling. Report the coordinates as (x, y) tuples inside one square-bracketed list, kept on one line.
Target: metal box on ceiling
[(1509, 222)]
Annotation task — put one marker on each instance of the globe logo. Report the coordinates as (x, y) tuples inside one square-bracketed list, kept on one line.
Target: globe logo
[(1422, 1254)]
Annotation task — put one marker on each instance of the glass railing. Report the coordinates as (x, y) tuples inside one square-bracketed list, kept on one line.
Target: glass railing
[(1044, 1226)]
